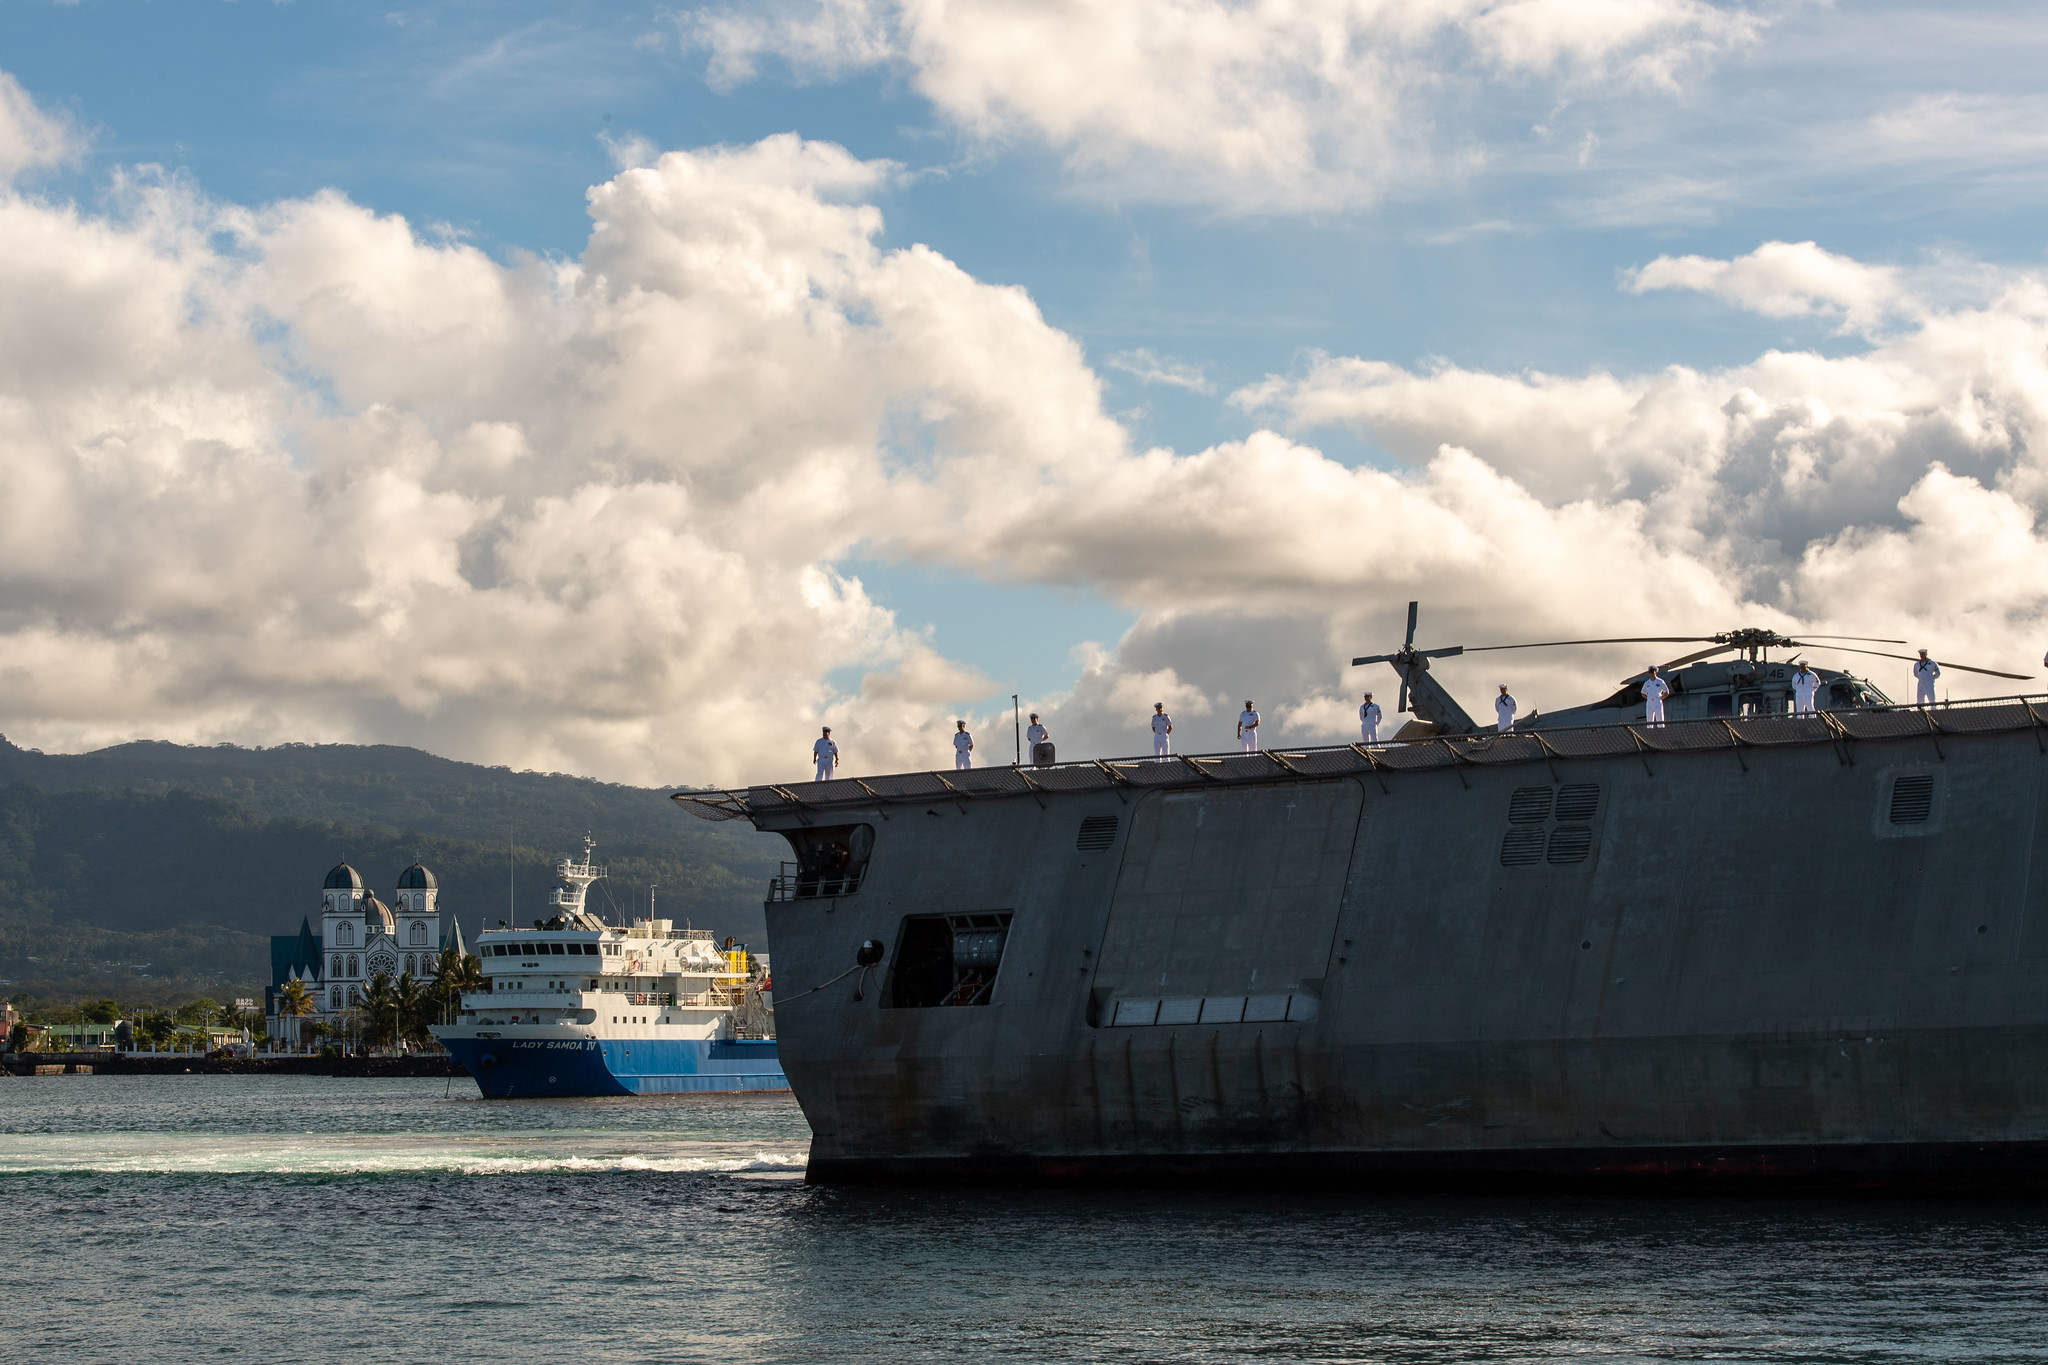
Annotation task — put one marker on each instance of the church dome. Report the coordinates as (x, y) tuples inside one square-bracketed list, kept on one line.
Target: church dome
[(417, 878), (343, 878), (378, 914)]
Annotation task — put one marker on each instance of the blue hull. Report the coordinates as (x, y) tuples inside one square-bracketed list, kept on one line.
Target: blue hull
[(509, 1068)]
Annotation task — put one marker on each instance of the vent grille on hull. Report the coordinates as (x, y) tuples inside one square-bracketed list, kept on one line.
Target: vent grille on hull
[(1522, 848), (1578, 801), (1529, 806), (1913, 799), (1097, 833), (1570, 844)]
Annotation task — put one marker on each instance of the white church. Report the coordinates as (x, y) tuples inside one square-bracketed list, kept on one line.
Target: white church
[(359, 937)]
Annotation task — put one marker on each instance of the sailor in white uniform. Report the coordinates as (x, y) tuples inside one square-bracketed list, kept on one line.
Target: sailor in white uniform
[(1248, 728), (1162, 731), (1655, 690), (963, 746), (1503, 711), (1035, 735), (827, 754), (1924, 674), (1369, 720), (1805, 682)]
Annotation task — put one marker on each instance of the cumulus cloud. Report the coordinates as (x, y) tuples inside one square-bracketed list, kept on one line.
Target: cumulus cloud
[(30, 137), (301, 471), (1783, 280), (1271, 104), (1897, 490)]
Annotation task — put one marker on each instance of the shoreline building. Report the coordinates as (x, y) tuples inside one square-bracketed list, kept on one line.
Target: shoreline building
[(359, 937)]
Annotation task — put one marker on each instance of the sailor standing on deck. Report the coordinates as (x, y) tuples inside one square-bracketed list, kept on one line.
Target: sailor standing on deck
[(963, 746), (1655, 690), (1503, 711), (1369, 720), (827, 754), (1162, 731), (1035, 735), (1924, 674), (1248, 728), (1805, 682)]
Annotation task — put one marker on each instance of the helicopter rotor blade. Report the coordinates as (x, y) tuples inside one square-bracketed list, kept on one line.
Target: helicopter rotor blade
[(1409, 643), (1450, 651), (1867, 639), (1682, 660), (1882, 654), (1618, 640)]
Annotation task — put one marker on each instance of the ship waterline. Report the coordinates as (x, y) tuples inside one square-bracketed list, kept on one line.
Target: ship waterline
[(1806, 949)]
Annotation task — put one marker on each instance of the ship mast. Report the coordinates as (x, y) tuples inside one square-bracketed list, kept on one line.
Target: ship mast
[(579, 875)]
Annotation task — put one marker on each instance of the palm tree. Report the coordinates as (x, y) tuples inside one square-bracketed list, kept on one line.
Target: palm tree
[(294, 1001), (454, 974), (413, 1004), (379, 1012)]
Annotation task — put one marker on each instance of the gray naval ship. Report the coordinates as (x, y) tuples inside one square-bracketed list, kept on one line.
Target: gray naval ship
[(1746, 947)]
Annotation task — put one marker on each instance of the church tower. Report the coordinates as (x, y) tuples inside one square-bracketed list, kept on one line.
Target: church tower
[(342, 936), (416, 910)]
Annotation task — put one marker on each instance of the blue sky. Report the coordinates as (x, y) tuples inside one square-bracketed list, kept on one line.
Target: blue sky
[(1493, 238)]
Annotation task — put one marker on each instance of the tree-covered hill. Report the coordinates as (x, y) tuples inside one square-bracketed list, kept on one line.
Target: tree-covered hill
[(150, 872)]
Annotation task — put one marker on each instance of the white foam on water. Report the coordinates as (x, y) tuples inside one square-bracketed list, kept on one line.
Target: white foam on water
[(365, 1153)]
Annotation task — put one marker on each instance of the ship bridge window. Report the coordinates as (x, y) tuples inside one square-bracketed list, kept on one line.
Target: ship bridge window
[(831, 860), (947, 960)]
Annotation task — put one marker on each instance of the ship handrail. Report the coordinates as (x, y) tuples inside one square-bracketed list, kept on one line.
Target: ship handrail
[(1292, 763)]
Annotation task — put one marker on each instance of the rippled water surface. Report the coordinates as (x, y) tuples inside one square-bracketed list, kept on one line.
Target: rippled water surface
[(291, 1219)]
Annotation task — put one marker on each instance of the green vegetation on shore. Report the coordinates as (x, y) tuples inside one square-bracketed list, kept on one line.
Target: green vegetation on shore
[(154, 874)]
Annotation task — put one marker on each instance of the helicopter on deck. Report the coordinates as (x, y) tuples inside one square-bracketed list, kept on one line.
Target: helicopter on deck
[(1746, 686)]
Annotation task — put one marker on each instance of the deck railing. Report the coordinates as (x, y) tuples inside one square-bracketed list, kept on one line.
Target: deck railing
[(1980, 716), (794, 883)]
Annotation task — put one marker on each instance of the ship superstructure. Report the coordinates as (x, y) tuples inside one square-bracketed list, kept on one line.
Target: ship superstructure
[(575, 1006)]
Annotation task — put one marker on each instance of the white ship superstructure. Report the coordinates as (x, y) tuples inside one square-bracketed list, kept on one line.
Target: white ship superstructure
[(577, 1006)]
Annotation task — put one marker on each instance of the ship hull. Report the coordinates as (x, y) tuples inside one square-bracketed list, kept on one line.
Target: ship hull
[(540, 1064), (1811, 957)]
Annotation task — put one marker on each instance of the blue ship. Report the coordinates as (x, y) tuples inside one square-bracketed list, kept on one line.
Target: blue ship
[(512, 1068), (575, 1006)]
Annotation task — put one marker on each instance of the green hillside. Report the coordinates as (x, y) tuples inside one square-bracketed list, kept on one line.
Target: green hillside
[(152, 872)]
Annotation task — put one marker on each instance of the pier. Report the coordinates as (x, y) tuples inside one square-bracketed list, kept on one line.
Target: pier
[(127, 1064)]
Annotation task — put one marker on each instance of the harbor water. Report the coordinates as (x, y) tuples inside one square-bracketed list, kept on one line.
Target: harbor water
[(288, 1219)]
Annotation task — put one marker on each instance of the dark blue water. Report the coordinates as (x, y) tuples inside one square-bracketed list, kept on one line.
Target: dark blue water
[(305, 1219)]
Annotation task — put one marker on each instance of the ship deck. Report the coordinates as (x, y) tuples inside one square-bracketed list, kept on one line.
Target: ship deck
[(1843, 728)]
